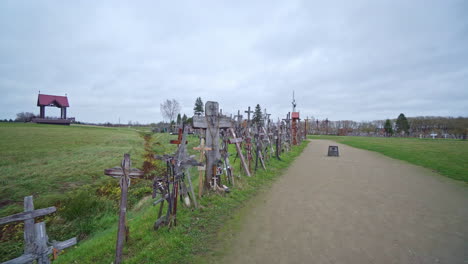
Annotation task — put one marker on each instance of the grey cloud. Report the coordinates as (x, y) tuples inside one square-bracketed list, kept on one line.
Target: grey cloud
[(358, 60)]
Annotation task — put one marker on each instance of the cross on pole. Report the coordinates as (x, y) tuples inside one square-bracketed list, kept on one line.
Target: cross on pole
[(212, 122), (238, 117), (248, 115), (124, 173)]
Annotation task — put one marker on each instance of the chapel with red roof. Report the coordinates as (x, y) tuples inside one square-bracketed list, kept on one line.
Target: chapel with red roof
[(61, 102)]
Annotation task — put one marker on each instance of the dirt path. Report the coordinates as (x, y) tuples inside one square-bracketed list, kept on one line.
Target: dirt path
[(361, 207)]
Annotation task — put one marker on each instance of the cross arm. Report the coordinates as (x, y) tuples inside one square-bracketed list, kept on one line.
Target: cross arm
[(27, 215), (26, 258), (199, 122), (235, 140), (118, 172), (64, 244)]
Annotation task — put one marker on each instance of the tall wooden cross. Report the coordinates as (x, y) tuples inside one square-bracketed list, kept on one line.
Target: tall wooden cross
[(124, 173), (248, 115), (212, 122), (183, 161)]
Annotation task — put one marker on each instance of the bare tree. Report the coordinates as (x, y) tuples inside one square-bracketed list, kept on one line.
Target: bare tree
[(170, 109), (24, 117)]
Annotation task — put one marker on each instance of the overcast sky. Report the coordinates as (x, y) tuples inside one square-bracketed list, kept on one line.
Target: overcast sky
[(358, 60)]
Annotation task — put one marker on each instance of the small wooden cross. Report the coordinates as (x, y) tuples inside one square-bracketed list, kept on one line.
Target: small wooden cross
[(35, 237), (124, 173), (248, 115)]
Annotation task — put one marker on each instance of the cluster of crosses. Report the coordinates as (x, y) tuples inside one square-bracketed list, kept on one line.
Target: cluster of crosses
[(256, 143)]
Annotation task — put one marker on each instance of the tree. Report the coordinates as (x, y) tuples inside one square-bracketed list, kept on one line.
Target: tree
[(257, 115), (402, 124), (184, 119), (170, 109), (198, 109), (24, 117), (388, 128), (179, 118)]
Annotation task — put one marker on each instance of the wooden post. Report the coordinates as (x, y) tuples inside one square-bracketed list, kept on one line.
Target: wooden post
[(124, 173), (42, 250), (202, 150), (237, 141), (122, 229), (28, 226)]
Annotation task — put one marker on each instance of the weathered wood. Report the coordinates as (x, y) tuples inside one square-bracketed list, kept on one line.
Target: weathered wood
[(191, 188), (27, 215), (202, 150), (212, 122), (116, 172), (26, 258), (61, 245), (124, 173), (29, 235), (235, 140), (121, 233), (35, 236), (239, 152), (42, 251)]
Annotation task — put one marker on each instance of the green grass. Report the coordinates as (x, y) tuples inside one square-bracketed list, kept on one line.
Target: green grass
[(49, 160), (194, 239), (445, 156), (63, 166)]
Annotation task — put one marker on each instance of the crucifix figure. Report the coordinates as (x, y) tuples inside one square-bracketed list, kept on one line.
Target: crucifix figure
[(212, 122), (124, 173)]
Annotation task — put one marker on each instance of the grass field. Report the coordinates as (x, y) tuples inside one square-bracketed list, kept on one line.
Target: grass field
[(63, 166), (447, 157), (48, 160)]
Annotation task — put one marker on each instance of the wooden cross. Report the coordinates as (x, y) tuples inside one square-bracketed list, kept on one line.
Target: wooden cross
[(183, 160), (124, 173), (35, 237), (212, 122), (179, 138), (238, 118), (202, 150), (237, 141), (248, 115)]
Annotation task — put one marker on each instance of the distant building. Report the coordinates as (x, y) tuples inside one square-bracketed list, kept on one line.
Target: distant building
[(61, 102)]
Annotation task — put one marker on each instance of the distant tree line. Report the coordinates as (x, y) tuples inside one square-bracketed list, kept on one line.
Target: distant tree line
[(420, 126)]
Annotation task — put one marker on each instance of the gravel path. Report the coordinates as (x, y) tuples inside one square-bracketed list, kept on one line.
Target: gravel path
[(361, 207)]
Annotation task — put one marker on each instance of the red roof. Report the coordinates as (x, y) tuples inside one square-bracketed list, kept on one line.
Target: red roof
[(295, 115), (45, 100)]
